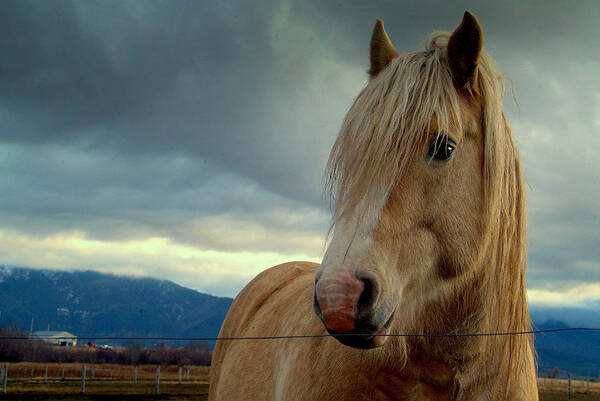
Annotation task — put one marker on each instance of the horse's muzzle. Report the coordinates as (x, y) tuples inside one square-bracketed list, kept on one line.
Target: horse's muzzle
[(346, 304)]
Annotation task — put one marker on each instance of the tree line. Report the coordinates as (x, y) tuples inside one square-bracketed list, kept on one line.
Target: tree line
[(133, 353)]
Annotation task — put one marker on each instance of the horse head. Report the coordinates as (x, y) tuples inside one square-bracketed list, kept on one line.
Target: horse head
[(409, 177)]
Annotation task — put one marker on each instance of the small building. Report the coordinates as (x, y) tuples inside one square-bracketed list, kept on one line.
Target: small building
[(63, 338)]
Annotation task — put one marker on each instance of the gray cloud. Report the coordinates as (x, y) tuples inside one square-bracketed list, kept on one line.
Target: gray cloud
[(51, 189), (196, 79), (135, 119)]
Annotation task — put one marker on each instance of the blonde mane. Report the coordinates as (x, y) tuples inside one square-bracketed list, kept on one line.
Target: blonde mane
[(388, 123)]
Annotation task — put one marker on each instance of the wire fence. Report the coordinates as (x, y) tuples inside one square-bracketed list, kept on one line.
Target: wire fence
[(114, 379), (99, 379), (300, 336), (102, 379)]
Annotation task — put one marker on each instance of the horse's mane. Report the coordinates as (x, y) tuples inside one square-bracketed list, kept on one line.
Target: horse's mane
[(389, 122)]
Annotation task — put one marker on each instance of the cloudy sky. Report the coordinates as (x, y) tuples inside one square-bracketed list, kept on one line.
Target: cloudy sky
[(186, 140)]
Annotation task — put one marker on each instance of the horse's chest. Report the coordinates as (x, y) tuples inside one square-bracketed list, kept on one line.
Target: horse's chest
[(417, 382)]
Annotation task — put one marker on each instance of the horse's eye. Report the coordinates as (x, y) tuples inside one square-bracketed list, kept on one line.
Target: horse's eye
[(441, 148)]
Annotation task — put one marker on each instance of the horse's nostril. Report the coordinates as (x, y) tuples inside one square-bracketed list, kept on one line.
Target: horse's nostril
[(369, 295)]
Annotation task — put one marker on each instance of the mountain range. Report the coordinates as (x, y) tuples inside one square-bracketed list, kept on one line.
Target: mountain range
[(88, 304)]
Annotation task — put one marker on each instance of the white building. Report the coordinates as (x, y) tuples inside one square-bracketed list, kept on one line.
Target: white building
[(56, 337)]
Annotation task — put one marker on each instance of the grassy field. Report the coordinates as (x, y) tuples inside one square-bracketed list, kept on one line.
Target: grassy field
[(556, 390), (32, 381), (37, 371), (29, 381)]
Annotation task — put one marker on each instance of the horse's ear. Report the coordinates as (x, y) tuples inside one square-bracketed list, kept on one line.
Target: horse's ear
[(464, 47), (382, 50)]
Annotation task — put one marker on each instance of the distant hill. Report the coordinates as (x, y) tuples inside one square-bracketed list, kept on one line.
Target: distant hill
[(575, 352), (96, 304)]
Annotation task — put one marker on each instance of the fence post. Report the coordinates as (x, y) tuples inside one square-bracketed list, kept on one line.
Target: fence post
[(157, 379), (569, 386), (32, 373), (83, 378), (62, 374), (93, 372), (46, 374), (180, 370), (4, 377), (135, 374)]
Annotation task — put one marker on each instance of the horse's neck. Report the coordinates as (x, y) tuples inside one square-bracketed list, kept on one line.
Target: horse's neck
[(478, 304)]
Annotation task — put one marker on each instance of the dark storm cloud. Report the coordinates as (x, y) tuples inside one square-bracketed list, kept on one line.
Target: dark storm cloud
[(227, 82), (166, 77)]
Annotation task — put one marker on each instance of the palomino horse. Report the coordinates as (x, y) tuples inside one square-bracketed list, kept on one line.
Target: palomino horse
[(428, 238)]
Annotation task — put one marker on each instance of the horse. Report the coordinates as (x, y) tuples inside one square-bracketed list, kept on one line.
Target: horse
[(427, 247)]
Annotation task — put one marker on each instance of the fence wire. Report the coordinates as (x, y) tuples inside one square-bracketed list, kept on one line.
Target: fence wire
[(300, 336)]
